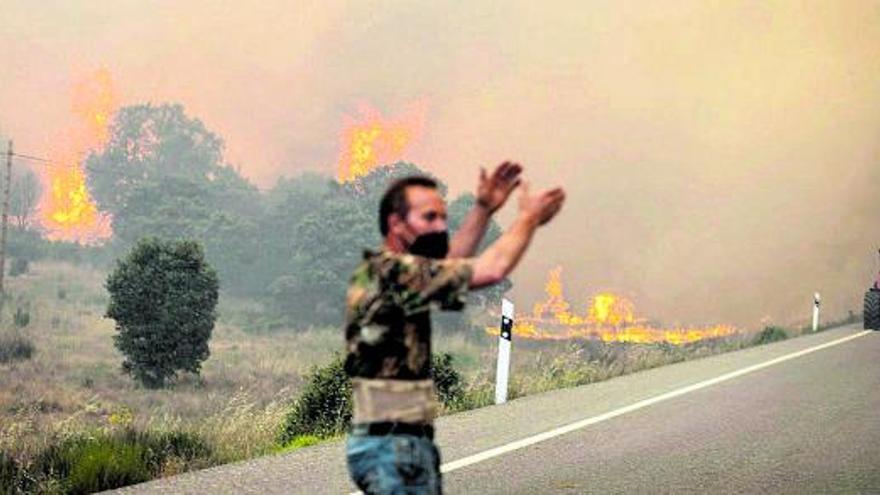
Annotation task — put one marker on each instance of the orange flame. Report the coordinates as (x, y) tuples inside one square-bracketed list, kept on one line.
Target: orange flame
[(66, 210), (370, 140), (609, 317)]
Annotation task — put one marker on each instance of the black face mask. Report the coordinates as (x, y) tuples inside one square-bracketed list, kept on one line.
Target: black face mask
[(431, 245)]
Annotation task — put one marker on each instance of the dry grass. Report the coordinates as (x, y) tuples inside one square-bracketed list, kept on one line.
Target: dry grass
[(73, 382)]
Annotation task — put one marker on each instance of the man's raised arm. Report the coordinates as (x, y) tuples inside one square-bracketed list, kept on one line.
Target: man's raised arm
[(499, 259), (492, 193)]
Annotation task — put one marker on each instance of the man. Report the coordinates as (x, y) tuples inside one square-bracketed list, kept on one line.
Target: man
[(388, 327)]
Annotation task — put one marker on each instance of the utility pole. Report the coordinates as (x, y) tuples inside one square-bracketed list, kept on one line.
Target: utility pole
[(5, 220)]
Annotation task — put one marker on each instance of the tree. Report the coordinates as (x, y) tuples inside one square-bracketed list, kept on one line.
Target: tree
[(181, 208), (326, 246), (162, 175), (163, 297), (287, 202), (326, 227), (147, 143), (25, 192)]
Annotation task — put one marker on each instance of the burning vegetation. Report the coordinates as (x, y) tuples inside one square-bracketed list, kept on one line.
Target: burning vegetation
[(609, 317), (370, 140), (66, 210)]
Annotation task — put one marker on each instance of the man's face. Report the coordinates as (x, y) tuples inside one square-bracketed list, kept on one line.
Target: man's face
[(427, 213)]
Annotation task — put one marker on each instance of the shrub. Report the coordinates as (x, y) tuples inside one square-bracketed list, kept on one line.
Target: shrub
[(475, 397), (21, 318), (770, 334), (15, 347), (12, 478), (106, 460), (163, 296), (449, 382), (19, 266), (324, 406)]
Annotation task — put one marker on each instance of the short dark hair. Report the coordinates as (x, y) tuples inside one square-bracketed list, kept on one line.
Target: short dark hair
[(394, 199)]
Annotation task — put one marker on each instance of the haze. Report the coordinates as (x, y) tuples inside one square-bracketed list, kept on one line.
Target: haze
[(721, 159)]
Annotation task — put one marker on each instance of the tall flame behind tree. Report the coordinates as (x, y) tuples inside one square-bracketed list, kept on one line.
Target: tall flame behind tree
[(66, 210), (609, 317), (370, 140)]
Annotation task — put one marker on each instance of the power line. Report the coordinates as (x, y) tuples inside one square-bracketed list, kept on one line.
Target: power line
[(29, 157), (262, 189)]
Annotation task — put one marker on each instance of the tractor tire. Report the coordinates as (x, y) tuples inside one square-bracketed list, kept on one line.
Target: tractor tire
[(872, 309)]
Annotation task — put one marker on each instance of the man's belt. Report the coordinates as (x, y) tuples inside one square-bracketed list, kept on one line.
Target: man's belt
[(389, 428)]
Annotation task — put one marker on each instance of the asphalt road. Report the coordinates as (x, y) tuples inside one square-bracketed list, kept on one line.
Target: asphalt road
[(803, 425)]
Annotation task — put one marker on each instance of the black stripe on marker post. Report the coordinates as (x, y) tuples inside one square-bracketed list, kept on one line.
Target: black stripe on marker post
[(506, 328)]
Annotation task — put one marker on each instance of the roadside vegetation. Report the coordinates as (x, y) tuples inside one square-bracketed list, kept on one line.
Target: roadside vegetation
[(15, 346)]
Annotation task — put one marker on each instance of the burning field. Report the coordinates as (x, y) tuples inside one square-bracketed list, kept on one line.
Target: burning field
[(608, 317)]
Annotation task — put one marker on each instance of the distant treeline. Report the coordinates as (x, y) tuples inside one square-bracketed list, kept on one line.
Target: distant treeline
[(292, 248)]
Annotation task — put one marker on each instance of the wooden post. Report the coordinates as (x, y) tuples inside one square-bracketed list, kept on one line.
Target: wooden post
[(5, 222)]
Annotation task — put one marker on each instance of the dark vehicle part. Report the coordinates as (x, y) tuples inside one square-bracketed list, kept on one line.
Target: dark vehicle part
[(872, 306), (872, 309)]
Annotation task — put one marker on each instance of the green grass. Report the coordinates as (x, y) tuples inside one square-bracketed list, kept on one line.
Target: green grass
[(104, 459), (299, 442)]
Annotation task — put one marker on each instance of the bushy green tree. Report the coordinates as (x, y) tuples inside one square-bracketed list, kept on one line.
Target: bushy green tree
[(162, 175), (163, 297), (149, 142), (182, 208), (325, 247)]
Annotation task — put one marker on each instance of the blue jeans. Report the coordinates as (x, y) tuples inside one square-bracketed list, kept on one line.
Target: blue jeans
[(394, 463)]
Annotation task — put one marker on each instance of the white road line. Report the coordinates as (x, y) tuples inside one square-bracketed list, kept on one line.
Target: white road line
[(562, 430)]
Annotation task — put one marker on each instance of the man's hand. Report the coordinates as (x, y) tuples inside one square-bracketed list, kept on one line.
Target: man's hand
[(501, 257), (493, 191), (540, 206)]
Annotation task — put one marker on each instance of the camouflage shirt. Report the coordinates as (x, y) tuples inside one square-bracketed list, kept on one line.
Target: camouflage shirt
[(388, 324)]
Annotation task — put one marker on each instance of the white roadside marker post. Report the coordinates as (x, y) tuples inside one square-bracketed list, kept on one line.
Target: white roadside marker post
[(502, 372), (816, 300)]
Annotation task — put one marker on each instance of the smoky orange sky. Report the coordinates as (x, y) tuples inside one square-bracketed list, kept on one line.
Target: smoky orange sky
[(722, 159)]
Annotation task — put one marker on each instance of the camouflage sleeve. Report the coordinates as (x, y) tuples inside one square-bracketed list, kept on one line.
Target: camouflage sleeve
[(361, 292), (423, 281)]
